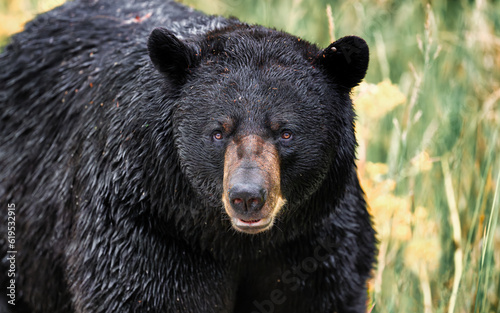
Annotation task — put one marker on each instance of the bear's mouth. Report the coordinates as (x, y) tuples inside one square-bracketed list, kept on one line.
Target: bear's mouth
[(252, 226)]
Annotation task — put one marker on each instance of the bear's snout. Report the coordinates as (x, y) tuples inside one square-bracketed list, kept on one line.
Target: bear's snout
[(252, 191)]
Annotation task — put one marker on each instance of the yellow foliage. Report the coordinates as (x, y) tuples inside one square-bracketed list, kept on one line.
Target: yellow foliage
[(20, 12), (376, 170), (423, 253), (11, 23), (391, 214), (422, 162), (375, 101), (424, 226)]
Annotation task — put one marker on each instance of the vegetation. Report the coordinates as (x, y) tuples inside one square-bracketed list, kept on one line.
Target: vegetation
[(428, 127)]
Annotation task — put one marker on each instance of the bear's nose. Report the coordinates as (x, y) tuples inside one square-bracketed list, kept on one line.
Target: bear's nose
[(247, 198)]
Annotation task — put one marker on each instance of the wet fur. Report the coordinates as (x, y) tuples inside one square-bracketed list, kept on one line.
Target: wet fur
[(118, 201)]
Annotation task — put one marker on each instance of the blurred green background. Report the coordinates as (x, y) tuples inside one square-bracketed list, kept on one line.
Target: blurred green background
[(428, 127)]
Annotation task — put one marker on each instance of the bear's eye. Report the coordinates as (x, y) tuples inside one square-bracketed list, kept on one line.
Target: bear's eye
[(217, 136), (286, 135)]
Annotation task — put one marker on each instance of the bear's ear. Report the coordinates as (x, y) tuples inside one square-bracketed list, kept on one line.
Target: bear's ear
[(345, 60), (170, 56)]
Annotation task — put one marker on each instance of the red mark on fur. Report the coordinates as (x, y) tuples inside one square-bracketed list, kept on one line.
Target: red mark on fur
[(139, 19)]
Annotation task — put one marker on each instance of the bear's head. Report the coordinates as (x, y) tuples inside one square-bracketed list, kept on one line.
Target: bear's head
[(262, 120)]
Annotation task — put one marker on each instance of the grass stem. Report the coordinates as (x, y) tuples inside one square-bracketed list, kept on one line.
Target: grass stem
[(456, 228)]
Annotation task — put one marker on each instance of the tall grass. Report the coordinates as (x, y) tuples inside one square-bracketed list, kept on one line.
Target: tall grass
[(428, 127)]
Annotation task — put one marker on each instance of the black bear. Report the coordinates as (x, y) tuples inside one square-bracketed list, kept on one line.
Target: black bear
[(155, 159)]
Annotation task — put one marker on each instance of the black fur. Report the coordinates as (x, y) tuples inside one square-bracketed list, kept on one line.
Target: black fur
[(105, 150)]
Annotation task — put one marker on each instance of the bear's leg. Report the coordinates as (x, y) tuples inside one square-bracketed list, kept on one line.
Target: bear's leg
[(318, 281), (124, 268)]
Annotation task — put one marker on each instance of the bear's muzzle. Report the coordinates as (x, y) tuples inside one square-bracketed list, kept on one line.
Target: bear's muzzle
[(252, 193)]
